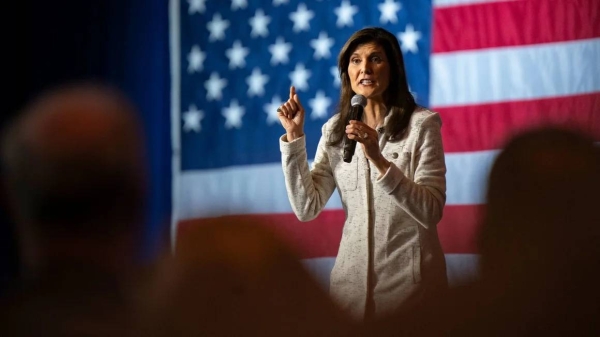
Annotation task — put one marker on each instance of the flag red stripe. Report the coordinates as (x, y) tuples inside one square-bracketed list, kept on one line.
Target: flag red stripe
[(514, 23), (459, 228), (321, 237), (488, 126)]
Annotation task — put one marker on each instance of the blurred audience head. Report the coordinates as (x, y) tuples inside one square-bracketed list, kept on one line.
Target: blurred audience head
[(74, 171), (542, 204), (540, 241), (233, 276)]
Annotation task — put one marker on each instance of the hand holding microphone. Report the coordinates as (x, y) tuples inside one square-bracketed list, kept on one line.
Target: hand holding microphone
[(358, 103)]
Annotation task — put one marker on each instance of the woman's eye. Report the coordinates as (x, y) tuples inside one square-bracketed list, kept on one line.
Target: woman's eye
[(376, 59), (355, 61)]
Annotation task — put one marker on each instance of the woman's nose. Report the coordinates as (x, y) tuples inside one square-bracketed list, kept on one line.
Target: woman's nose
[(365, 69)]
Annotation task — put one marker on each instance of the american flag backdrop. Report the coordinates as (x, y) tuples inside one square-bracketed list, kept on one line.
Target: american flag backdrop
[(490, 68)]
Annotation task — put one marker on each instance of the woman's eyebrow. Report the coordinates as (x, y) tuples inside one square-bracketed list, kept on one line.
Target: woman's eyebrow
[(377, 52)]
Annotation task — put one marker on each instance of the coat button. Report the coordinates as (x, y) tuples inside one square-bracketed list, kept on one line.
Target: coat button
[(395, 155)]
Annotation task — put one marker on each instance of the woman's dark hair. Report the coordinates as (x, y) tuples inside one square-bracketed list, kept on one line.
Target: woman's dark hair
[(397, 97)]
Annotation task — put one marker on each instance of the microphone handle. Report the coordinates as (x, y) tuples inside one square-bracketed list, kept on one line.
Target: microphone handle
[(356, 113)]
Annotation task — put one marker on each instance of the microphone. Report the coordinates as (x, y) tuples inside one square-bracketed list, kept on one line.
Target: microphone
[(358, 103)]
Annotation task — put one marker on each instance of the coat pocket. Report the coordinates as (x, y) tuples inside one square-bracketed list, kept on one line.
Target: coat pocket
[(416, 261)]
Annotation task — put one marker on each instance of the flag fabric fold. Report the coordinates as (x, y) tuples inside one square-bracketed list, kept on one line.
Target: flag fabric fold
[(490, 68)]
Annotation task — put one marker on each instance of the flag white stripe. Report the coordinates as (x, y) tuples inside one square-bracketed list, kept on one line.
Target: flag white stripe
[(460, 268), (515, 73), (260, 189), (467, 175)]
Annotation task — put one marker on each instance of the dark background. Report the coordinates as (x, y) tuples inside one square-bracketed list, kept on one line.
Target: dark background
[(123, 43)]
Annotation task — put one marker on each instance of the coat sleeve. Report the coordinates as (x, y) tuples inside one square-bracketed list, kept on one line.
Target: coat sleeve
[(308, 189), (424, 197)]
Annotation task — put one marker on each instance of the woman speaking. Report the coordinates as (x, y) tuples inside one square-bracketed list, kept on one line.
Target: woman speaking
[(393, 187)]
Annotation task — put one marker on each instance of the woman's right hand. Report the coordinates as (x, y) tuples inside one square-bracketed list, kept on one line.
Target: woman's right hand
[(291, 116)]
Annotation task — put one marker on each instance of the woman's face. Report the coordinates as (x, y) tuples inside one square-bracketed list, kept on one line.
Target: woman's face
[(369, 70)]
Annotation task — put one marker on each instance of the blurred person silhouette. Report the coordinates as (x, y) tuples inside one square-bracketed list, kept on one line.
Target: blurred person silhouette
[(234, 277), (540, 242), (539, 245), (73, 164)]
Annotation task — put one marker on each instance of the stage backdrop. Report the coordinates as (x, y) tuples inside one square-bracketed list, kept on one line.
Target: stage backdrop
[(490, 68)]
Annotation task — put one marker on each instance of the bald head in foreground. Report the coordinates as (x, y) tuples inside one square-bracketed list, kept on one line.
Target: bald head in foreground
[(73, 166)]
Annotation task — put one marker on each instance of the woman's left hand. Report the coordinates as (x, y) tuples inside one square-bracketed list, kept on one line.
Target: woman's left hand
[(365, 135), (369, 138)]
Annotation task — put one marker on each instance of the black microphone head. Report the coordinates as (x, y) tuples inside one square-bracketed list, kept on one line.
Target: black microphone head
[(358, 100)]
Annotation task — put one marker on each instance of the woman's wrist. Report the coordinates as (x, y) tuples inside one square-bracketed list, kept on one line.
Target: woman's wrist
[(291, 136), (382, 164)]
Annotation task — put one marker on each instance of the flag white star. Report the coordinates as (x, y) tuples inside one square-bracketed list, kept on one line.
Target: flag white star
[(271, 110), (319, 105), (259, 24), (192, 119), (237, 55), (388, 11), (336, 76), (238, 4), (301, 18), (300, 77), (279, 51), (196, 59), (256, 83), (322, 45), (217, 27), (279, 2), (409, 38), (233, 115), (196, 6), (345, 13), (214, 87)]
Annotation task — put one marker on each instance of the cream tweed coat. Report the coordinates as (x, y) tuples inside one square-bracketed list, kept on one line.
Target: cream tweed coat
[(389, 254)]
